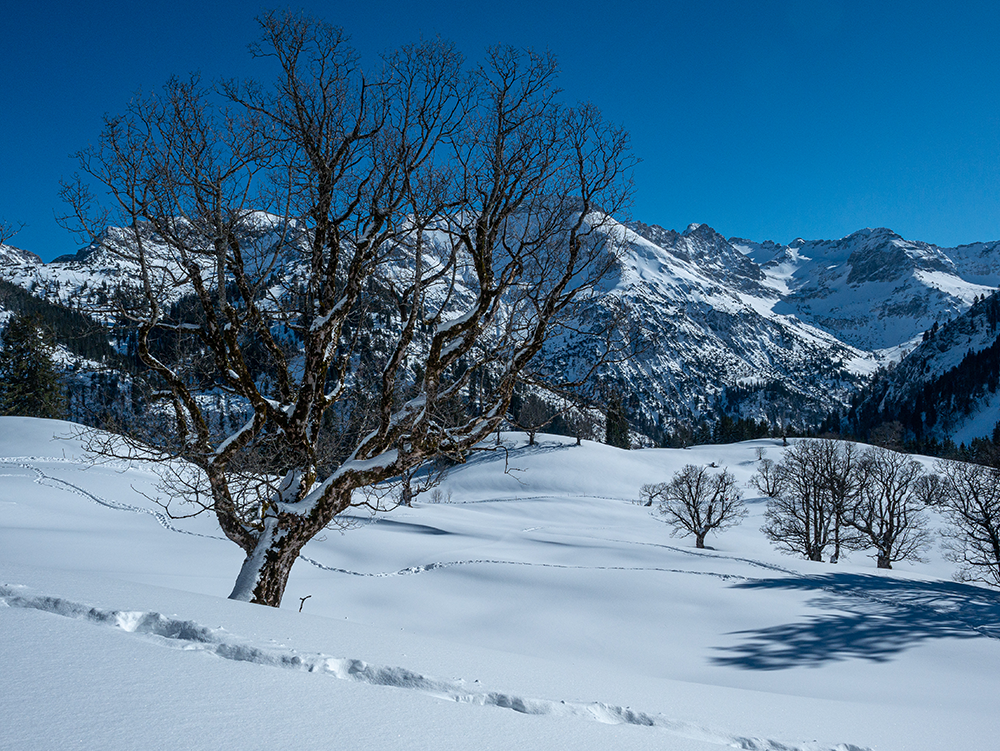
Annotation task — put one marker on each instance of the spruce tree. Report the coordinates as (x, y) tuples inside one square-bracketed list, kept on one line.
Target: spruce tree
[(29, 383), (616, 431)]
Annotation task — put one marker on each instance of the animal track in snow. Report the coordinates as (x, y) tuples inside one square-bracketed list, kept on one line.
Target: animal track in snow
[(54, 482), (410, 570)]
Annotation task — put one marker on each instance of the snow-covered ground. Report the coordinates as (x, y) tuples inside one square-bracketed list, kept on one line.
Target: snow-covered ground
[(535, 609)]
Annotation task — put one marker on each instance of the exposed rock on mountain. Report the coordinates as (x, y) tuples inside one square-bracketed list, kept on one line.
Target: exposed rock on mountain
[(785, 333)]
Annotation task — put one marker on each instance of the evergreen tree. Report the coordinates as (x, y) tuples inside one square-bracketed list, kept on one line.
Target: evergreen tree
[(29, 383), (616, 431)]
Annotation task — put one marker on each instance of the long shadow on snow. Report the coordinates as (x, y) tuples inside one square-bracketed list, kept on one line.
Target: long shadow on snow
[(421, 529), (875, 618)]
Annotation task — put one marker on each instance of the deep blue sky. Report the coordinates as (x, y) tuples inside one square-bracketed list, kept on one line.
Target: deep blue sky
[(770, 119)]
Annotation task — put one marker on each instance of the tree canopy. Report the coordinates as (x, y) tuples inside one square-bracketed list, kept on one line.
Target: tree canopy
[(359, 245)]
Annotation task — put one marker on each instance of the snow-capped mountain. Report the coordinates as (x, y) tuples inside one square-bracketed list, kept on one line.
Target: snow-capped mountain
[(9, 255), (947, 388), (715, 338), (786, 333), (782, 332), (873, 289)]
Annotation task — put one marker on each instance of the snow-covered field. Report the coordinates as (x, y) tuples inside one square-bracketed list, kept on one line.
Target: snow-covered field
[(535, 609)]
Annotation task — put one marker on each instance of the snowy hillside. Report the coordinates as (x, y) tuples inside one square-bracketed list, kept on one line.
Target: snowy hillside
[(9, 255), (534, 609)]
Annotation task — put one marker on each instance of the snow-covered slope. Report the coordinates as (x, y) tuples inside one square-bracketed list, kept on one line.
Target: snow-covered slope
[(712, 323), (947, 388), (11, 256), (781, 332), (537, 608)]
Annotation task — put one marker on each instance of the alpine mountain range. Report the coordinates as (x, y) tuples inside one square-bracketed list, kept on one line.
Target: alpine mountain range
[(792, 334)]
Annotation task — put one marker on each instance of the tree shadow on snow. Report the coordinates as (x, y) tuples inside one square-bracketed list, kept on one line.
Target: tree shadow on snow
[(868, 617)]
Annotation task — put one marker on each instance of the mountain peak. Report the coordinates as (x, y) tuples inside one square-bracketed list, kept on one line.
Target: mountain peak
[(873, 233), (11, 255)]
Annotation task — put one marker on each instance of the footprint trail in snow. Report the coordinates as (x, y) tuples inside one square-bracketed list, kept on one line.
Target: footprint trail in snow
[(192, 636)]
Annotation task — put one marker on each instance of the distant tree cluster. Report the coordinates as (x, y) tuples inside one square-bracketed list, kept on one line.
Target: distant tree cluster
[(78, 332), (723, 429), (29, 380), (827, 497), (553, 414), (830, 496)]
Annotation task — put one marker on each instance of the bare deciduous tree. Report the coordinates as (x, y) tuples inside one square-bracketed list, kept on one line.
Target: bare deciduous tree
[(581, 424), (971, 500), (834, 493), (837, 464), (457, 216), (696, 501), (800, 518), (9, 229), (534, 415), (887, 510), (767, 479)]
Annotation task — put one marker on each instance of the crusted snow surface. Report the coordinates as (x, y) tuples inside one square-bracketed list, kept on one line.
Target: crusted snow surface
[(535, 606)]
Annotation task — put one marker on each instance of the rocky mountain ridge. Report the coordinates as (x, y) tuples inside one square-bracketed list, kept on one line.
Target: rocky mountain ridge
[(780, 332)]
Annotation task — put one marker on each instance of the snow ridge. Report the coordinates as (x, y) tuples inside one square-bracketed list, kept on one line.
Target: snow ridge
[(192, 636)]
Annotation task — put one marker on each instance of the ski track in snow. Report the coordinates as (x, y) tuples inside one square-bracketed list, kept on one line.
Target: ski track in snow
[(192, 636), (41, 478)]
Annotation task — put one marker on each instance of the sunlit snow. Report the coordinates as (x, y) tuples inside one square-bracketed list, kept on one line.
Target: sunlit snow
[(537, 608)]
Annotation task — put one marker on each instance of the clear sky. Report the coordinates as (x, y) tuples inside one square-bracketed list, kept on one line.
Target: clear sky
[(767, 119)]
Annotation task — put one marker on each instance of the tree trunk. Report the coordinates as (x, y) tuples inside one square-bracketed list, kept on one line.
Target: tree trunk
[(264, 574), (699, 540), (882, 561)]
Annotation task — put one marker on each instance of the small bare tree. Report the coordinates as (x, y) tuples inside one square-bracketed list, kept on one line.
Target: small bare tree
[(534, 415), (971, 500), (696, 501), (767, 479), (930, 490), (455, 217), (887, 510), (582, 425), (9, 229), (800, 518)]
